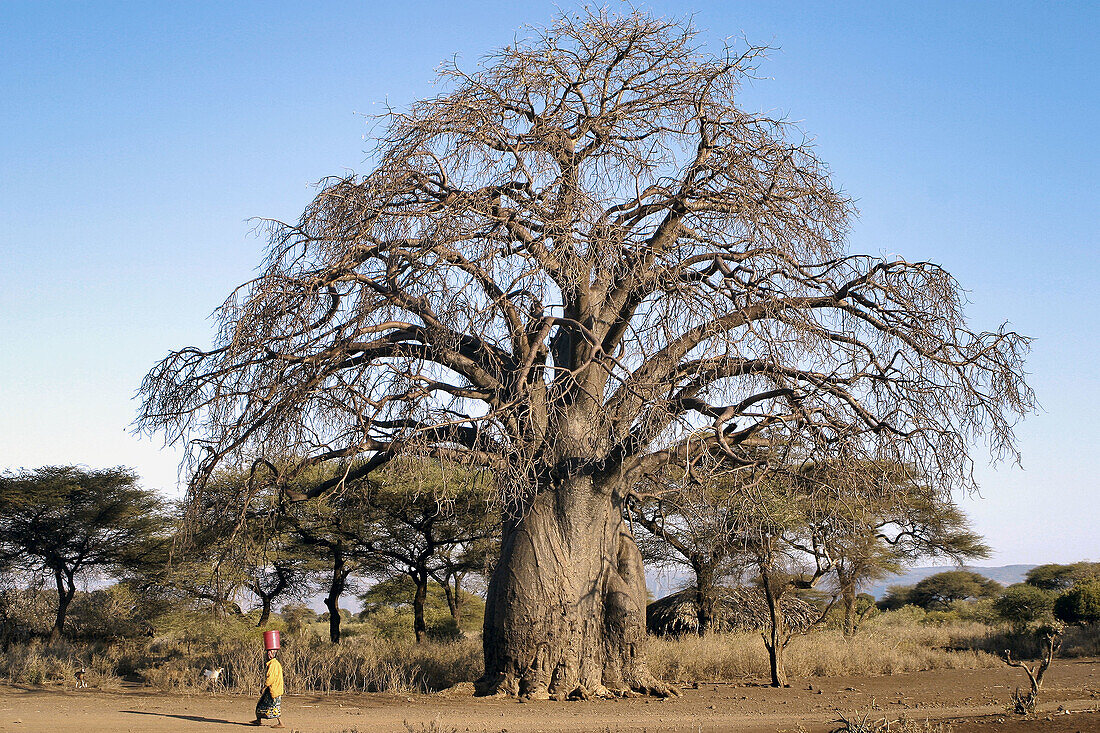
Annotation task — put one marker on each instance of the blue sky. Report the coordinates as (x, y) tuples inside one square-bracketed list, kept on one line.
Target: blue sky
[(139, 138)]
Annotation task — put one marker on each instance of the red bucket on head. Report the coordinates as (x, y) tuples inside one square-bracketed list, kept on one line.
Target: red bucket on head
[(271, 640)]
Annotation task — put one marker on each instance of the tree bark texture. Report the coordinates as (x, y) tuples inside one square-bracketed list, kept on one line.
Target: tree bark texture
[(776, 636), (565, 612), (705, 595), (848, 599), (454, 597), (265, 610), (332, 603), (66, 589), (420, 628), (336, 589)]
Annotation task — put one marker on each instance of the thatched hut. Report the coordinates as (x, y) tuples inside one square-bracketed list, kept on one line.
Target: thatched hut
[(735, 609)]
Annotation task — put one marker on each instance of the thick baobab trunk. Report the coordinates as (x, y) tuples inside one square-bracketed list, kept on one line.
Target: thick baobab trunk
[(420, 595), (565, 612)]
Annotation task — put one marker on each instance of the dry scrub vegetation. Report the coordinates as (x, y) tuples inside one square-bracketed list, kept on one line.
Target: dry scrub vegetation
[(892, 642)]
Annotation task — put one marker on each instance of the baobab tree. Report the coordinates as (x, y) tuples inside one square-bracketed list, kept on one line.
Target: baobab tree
[(577, 264)]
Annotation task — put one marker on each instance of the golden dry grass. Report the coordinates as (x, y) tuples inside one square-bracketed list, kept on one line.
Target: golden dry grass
[(881, 649), (368, 663)]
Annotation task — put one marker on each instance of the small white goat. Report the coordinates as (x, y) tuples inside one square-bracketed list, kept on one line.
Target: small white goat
[(213, 678)]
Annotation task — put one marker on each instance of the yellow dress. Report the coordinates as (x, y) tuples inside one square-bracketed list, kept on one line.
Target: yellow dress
[(270, 701), (274, 679)]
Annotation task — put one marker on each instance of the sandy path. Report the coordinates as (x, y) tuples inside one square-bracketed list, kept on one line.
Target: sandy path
[(750, 707)]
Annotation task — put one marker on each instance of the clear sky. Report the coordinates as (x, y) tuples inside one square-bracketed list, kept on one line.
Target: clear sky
[(137, 139)]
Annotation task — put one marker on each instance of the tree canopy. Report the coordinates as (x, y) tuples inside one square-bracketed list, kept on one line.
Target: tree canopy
[(588, 220), (1022, 604), (67, 520), (1056, 577), (940, 590)]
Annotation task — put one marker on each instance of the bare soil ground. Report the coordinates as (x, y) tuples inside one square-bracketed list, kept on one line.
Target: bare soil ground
[(968, 700)]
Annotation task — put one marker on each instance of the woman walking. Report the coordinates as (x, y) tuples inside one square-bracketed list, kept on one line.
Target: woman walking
[(268, 707)]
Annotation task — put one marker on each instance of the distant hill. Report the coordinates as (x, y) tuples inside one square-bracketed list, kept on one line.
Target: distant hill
[(1005, 575), (663, 582)]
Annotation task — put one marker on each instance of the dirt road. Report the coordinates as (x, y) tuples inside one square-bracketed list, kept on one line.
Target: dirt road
[(973, 700)]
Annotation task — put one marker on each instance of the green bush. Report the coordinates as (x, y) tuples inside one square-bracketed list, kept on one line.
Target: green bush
[(940, 618), (387, 611), (1022, 604), (906, 615), (979, 610), (1080, 604)]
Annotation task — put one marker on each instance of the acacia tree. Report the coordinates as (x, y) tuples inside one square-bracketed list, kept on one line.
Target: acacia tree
[(1055, 577), (65, 521), (577, 264), (687, 524), (937, 592), (780, 519), (278, 567), (417, 533), (885, 516), (334, 531), (218, 555)]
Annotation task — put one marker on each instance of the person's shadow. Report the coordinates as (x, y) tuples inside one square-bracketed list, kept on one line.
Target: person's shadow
[(194, 718)]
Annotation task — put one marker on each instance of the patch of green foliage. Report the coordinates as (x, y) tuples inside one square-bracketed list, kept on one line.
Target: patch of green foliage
[(387, 610), (1022, 604), (1080, 604)]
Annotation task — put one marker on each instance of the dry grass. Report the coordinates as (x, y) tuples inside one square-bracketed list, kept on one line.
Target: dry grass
[(880, 649), (41, 663), (368, 663), (360, 663), (866, 724)]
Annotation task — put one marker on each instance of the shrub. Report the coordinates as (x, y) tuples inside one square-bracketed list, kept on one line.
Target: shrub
[(25, 613), (940, 618), (1080, 604), (980, 610), (107, 613), (904, 616), (387, 610), (297, 616), (1022, 604)]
